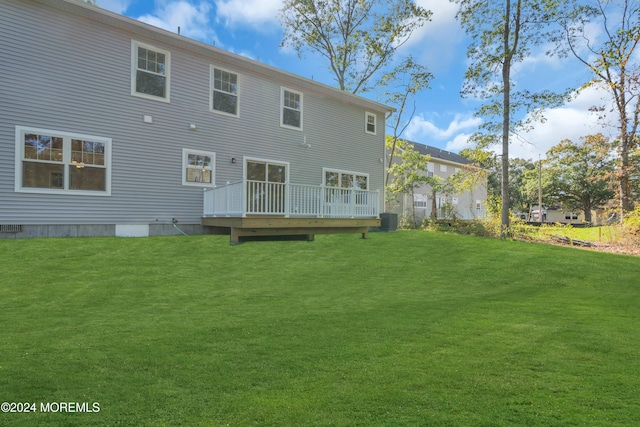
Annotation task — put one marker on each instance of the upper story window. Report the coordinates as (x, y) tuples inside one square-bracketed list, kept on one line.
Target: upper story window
[(224, 91), (370, 123), (443, 168), (429, 169), (198, 168), (291, 109), (59, 162), (150, 71)]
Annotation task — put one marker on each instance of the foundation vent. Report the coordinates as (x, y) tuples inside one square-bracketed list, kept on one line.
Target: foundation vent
[(10, 228)]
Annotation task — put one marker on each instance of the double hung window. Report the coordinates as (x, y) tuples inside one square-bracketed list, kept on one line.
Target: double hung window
[(59, 162), (150, 72), (224, 91), (198, 168), (429, 169), (370, 123), (291, 109)]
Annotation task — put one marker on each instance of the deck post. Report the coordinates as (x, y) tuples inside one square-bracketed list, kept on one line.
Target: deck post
[(352, 202), (244, 198), (287, 200), (226, 196), (234, 236)]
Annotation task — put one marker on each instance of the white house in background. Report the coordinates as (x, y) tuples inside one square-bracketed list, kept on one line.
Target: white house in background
[(467, 205), (109, 126)]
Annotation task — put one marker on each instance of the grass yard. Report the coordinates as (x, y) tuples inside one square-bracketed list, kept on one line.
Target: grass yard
[(407, 328)]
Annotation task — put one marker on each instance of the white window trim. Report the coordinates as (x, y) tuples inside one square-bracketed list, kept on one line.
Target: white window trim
[(134, 67), (420, 201), (367, 114), (19, 158), (185, 154), (212, 89), (341, 171), (282, 90), (430, 169), (443, 168)]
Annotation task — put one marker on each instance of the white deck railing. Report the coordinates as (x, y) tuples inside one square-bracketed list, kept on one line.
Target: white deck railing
[(242, 198)]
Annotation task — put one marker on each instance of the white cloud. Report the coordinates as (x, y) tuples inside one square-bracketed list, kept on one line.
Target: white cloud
[(435, 43), (193, 19), (117, 6), (443, 21), (250, 12), (459, 143), (572, 121), (422, 130)]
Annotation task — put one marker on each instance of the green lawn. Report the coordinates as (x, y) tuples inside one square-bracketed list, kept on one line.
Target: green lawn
[(407, 328)]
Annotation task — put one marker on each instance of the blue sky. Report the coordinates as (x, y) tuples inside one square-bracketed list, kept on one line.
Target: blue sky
[(443, 118)]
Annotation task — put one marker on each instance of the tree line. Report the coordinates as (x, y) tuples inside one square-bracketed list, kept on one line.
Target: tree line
[(575, 176), (358, 40)]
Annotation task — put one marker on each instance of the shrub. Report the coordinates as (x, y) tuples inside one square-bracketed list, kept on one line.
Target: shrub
[(631, 228)]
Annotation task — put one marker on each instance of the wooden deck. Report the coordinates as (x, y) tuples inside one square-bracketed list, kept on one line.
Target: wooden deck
[(238, 227)]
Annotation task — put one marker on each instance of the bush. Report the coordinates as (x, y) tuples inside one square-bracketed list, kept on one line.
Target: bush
[(631, 227), (632, 221)]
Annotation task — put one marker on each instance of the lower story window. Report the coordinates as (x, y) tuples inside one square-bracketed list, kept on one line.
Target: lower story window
[(60, 162), (342, 184), (198, 168), (345, 179)]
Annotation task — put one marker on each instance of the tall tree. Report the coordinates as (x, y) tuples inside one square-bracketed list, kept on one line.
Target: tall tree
[(358, 38), (503, 34), (581, 173), (611, 54)]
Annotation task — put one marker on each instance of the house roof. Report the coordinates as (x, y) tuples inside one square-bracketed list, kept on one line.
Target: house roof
[(438, 154), (131, 25)]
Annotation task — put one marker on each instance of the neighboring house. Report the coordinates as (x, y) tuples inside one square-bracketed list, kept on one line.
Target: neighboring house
[(466, 205), (556, 214), (109, 126)]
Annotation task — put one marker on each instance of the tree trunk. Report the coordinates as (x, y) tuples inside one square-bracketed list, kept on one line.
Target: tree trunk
[(625, 204), (587, 210), (413, 208), (434, 206), (506, 101)]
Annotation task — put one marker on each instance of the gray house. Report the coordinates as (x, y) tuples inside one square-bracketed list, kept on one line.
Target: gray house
[(468, 204), (109, 126)]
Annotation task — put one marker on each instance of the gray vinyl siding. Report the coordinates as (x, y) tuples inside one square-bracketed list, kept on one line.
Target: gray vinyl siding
[(72, 73)]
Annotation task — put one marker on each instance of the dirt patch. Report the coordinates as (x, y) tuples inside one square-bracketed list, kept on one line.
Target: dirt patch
[(614, 248)]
